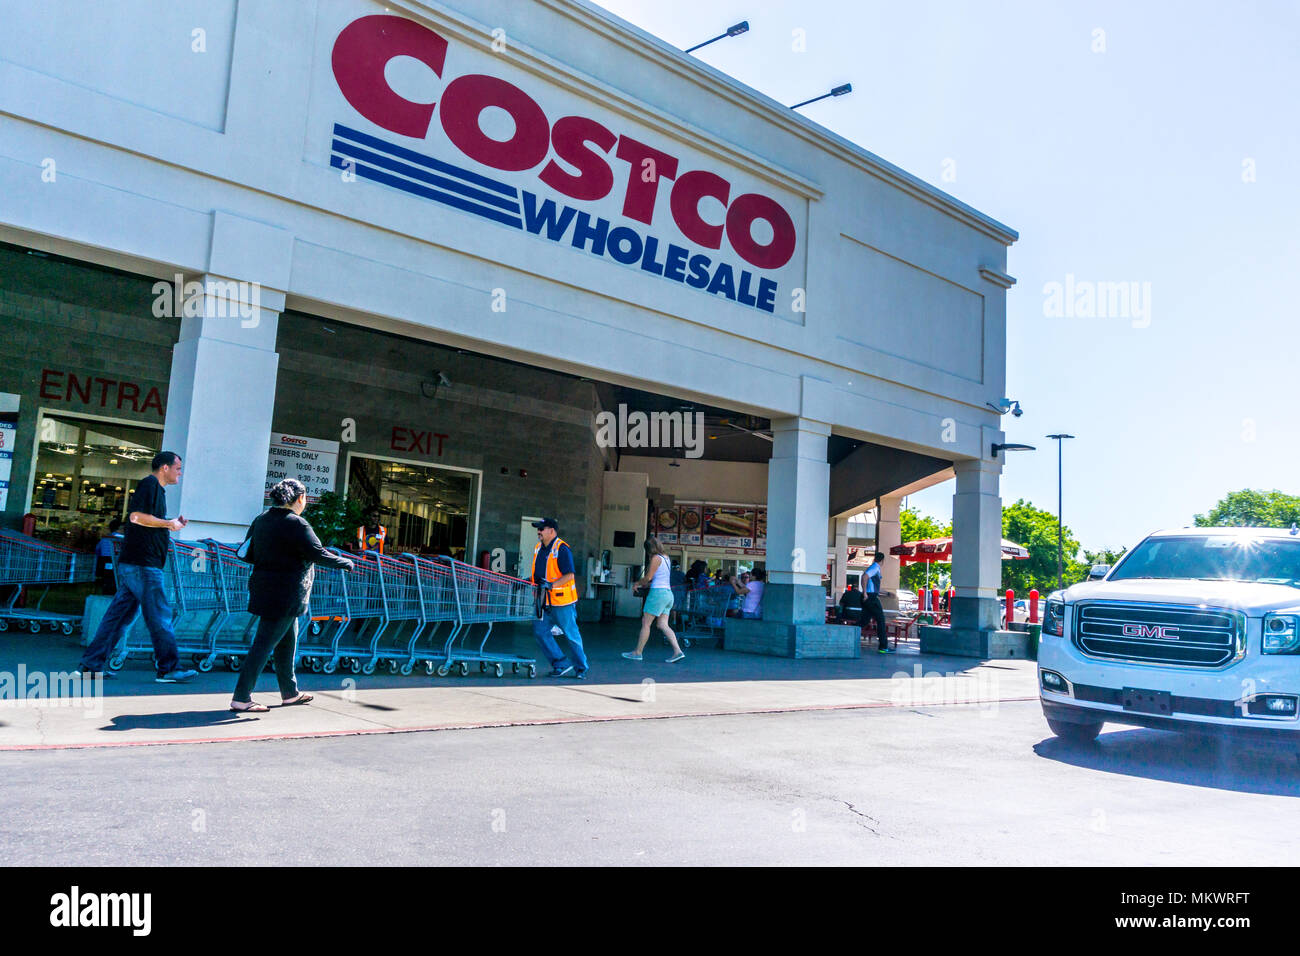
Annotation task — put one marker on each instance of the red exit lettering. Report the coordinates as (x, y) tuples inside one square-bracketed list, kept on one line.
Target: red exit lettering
[(412, 439), (63, 386)]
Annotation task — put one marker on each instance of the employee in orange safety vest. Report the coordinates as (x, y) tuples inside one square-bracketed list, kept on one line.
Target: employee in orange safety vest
[(553, 573), (370, 536)]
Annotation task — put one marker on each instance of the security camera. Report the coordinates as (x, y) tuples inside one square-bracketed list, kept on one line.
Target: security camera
[(1016, 410)]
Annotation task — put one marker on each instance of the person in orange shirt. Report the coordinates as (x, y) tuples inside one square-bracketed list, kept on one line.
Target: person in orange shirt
[(371, 535), (553, 573)]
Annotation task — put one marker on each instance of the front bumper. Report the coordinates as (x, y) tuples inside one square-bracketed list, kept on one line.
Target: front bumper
[(1272, 735)]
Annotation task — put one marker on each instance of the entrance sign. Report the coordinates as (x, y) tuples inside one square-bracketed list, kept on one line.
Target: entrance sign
[(8, 439)]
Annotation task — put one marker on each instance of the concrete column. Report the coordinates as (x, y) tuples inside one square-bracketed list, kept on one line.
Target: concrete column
[(889, 535), (840, 534), (219, 406), (798, 505), (976, 569)]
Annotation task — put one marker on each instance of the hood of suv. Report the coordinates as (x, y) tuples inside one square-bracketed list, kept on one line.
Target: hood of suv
[(1254, 599)]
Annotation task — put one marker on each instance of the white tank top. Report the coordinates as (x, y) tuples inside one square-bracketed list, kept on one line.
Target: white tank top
[(660, 579)]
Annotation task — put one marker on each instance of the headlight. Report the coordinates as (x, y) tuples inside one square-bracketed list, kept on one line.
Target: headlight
[(1054, 616), (1281, 634)]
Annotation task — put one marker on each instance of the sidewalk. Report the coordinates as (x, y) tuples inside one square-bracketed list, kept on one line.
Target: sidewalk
[(134, 710)]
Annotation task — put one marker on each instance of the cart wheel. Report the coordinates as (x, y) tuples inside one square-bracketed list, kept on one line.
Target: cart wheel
[(67, 627), (54, 627), (204, 664), (532, 671), (405, 669), (443, 670), (368, 668), (430, 670), (115, 663), (34, 626), (234, 662), (392, 667), (354, 665), (514, 668), (329, 667), (4, 624), (499, 670), (315, 628), (313, 664), (464, 669), (482, 667)]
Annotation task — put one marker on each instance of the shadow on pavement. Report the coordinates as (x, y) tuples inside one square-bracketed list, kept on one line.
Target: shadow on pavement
[(1193, 759), (188, 718)]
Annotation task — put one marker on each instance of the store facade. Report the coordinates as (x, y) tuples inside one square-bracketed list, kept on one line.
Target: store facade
[(412, 251)]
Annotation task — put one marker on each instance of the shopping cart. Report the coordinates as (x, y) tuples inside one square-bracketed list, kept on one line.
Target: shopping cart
[(233, 634), (399, 587), (488, 598), (25, 561), (438, 599), (706, 612), (352, 647), (193, 590), (328, 614)]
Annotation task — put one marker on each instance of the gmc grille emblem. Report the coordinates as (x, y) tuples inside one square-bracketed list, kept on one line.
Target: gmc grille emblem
[(1161, 632)]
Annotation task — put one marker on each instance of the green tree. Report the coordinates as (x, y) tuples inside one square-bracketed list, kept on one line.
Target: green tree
[(1253, 509), (915, 526), (335, 519), (1035, 529)]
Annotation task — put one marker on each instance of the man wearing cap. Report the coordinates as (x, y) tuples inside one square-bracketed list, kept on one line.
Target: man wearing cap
[(553, 573)]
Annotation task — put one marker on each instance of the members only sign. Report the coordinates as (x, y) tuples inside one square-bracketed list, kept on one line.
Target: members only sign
[(313, 461)]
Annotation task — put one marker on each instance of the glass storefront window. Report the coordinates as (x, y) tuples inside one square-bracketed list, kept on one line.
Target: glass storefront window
[(426, 509), (86, 470)]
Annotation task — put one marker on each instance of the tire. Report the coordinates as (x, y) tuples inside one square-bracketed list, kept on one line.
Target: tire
[(499, 670), (315, 628), (514, 668), (532, 671), (329, 667), (443, 670), (67, 627), (430, 670), (314, 664), (405, 669), (203, 664), (55, 627), (115, 663), (464, 669), (1074, 733), (391, 667), (354, 665), (234, 662), (4, 624), (34, 626), (368, 668)]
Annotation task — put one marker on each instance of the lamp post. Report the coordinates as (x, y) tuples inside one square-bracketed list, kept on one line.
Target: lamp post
[(838, 91), (735, 30), (1060, 534)]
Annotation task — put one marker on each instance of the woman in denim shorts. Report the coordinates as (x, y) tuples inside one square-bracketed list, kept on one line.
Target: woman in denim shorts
[(658, 602)]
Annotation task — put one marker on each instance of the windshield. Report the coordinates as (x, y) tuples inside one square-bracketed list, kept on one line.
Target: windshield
[(1214, 558)]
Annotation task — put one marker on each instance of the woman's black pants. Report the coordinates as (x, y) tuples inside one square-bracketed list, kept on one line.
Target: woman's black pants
[(278, 635)]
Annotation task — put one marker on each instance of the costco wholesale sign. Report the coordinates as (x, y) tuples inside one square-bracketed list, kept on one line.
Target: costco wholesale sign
[(466, 129)]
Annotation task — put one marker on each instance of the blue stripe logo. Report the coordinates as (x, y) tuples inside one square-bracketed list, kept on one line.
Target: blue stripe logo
[(382, 162)]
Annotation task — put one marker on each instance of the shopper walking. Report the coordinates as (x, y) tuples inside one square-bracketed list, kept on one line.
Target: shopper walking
[(658, 602), (553, 573), (282, 548), (140, 578), (871, 609)]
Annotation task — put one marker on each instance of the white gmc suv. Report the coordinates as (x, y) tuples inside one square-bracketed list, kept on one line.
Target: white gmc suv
[(1196, 629)]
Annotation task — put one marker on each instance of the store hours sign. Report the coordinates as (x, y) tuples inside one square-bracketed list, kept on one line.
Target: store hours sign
[(313, 461)]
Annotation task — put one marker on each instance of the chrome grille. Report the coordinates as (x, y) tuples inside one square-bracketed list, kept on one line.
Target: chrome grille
[(1159, 633)]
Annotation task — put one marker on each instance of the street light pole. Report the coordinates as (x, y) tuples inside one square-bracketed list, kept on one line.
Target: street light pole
[(1060, 533)]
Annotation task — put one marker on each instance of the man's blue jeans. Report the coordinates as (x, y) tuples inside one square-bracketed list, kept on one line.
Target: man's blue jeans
[(138, 589), (565, 617)]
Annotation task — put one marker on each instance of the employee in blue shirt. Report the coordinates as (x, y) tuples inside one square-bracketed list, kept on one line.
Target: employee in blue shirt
[(871, 609)]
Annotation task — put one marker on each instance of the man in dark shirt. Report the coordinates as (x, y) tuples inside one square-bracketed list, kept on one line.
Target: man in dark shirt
[(139, 576), (851, 604)]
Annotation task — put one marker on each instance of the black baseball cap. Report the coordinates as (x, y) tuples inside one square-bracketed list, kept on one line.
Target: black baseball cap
[(546, 523)]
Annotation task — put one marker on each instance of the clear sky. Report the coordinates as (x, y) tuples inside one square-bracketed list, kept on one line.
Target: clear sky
[(1164, 150)]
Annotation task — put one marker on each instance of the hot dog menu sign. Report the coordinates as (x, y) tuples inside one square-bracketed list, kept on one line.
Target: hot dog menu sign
[(741, 527), (461, 128), (728, 527)]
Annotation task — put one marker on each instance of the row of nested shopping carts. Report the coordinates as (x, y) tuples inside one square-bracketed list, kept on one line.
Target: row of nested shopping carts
[(386, 611), (25, 562)]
